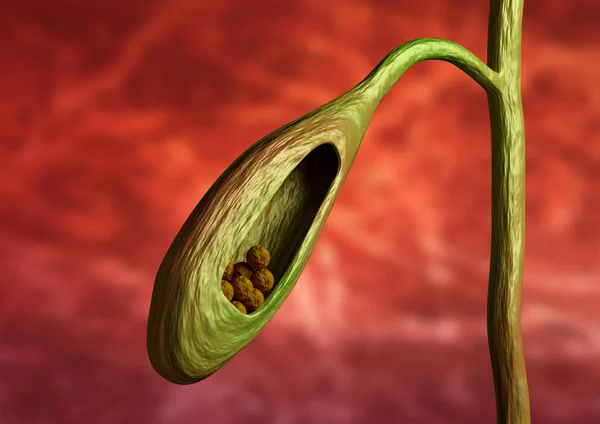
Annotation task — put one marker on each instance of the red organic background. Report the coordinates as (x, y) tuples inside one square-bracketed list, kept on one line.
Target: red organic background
[(117, 116)]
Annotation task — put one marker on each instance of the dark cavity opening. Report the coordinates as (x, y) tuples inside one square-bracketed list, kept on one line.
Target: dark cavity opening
[(285, 221)]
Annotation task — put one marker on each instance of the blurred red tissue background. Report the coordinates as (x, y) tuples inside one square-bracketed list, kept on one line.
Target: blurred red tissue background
[(118, 116)]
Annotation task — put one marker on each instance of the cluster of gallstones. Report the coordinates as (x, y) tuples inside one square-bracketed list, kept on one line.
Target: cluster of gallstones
[(246, 284)]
